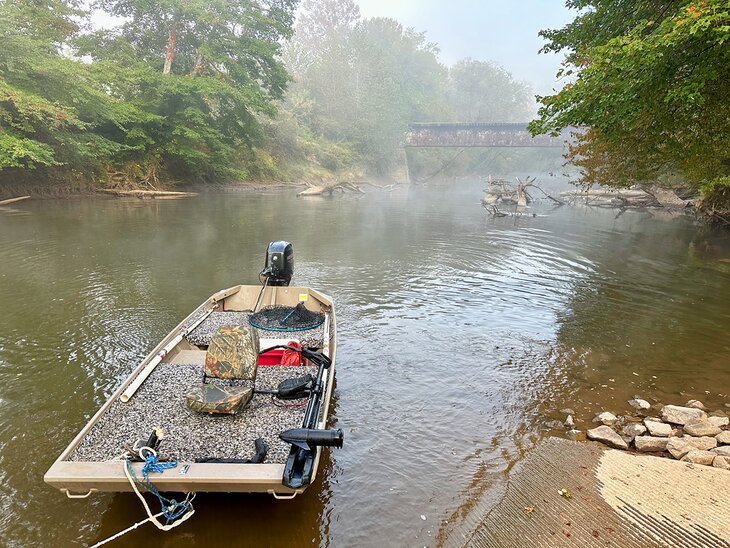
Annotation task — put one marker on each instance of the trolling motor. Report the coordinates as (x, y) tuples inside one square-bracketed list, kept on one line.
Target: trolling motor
[(305, 441), (278, 264), (291, 389)]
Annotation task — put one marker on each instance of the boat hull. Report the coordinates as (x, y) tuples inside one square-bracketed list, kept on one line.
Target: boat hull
[(82, 478)]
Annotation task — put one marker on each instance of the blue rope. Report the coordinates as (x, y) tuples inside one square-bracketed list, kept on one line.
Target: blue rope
[(171, 508)]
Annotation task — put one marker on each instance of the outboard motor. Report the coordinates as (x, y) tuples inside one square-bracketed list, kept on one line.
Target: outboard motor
[(279, 264)]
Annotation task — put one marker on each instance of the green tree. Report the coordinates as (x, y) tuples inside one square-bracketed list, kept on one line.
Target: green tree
[(486, 92), (649, 82), (399, 80), (362, 80), (321, 59), (51, 105), (204, 69)]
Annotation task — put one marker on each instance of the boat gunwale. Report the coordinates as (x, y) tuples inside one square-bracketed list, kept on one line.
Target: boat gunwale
[(58, 475)]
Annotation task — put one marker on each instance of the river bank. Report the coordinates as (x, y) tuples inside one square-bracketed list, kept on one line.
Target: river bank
[(688, 432), (80, 190), (652, 199)]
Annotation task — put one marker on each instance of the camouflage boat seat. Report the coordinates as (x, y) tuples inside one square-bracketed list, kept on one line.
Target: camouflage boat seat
[(232, 355)]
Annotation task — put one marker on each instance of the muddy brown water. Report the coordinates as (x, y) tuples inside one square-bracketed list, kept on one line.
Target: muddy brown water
[(460, 336)]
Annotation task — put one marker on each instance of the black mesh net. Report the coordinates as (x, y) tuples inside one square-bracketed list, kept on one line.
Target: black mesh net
[(286, 318)]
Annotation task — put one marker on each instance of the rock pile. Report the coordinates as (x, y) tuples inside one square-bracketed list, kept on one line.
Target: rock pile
[(686, 433)]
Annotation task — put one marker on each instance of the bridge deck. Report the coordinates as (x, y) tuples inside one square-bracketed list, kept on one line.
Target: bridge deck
[(478, 135)]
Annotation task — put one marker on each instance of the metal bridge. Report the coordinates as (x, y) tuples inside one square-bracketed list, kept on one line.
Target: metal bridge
[(479, 135)]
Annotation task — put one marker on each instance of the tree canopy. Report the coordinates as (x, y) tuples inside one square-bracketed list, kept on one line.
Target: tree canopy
[(648, 86), (216, 90), (50, 104)]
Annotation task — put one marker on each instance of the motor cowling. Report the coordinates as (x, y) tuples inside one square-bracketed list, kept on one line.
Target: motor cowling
[(278, 263)]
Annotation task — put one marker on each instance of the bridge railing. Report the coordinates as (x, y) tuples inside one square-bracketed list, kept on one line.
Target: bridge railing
[(479, 135)]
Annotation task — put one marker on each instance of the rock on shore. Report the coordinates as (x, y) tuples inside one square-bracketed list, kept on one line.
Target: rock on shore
[(634, 429), (701, 428), (650, 443), (723, 437), (607, 435), (682, 415), (699, 457), (639, 404), (685, 433), (703, 443), (660, 429), (606, 418)]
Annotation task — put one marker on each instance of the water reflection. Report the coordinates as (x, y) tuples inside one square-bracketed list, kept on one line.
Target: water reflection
[(459, 335)]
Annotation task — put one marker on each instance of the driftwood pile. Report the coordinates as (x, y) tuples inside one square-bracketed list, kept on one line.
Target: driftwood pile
[(329, 189), (628, 198), (503, 192)]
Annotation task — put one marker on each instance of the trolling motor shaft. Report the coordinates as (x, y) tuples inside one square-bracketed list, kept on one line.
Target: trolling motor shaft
[(309, 438)]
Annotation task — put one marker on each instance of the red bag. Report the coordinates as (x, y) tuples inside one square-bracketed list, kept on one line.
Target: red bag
[(292, 357)]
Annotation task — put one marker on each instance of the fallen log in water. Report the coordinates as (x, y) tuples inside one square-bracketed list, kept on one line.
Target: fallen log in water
[(609, 193), (147, 193), (13, 200), (329, 189), (501, 191), (653, 197)]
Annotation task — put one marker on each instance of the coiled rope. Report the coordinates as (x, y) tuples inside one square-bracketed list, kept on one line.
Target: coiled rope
[(171, 508), (173, 511)]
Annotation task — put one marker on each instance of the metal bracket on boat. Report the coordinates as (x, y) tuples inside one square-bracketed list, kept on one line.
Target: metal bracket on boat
[(79, 496), (277, 496)]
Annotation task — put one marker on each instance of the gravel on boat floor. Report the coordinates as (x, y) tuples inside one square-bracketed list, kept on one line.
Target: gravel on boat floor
[(201, 335), (160, 402)]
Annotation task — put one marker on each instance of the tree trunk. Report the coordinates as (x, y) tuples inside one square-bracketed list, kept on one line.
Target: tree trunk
[(198, 67), (170, 52)]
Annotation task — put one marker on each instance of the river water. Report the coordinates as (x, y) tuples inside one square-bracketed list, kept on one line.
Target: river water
[(460, 335)]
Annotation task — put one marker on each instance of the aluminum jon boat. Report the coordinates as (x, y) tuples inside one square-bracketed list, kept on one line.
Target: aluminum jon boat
[(234, 399)]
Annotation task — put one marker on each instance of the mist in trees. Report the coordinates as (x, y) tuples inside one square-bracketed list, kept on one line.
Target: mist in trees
[(217, 90), (363, 80)]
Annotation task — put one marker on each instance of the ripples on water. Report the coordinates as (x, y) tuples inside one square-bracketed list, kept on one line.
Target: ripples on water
[(459, 335)]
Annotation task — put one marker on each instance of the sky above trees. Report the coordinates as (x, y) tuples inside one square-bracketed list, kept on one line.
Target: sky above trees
[(504, 32), (501, 31)]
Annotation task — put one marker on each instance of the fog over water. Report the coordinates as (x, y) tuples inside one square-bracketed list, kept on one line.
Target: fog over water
[(460, 335)]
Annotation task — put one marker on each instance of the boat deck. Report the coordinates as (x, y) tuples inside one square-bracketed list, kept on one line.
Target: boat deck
[(160, 402)]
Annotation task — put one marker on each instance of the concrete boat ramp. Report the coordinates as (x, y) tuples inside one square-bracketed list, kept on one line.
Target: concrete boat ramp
[(611, 498)]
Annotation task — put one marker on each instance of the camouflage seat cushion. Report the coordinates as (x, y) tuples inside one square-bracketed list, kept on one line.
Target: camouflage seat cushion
[(233, 353), (212, 398)]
